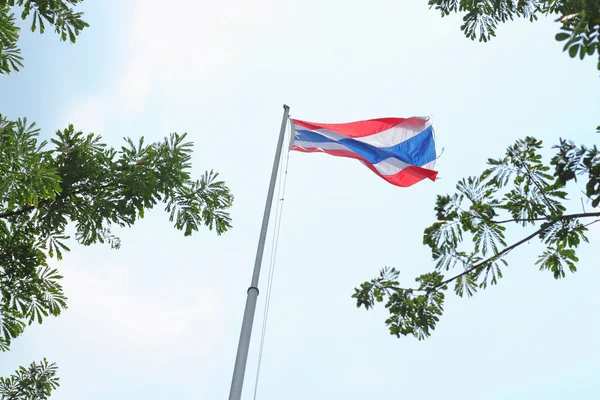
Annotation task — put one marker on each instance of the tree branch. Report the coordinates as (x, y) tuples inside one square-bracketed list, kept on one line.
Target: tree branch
[(492, 258), (505, 250), (18, 392), (479, 264), (591, 223), (396, 288), (567, 216), (16, 212), (27, 209), (537, 185)]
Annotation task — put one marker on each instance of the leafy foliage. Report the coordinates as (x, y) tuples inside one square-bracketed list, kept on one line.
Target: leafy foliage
[(468, 240), (10, 54), (59, 14), (78, 179), (34, 383), (572, 161), (412, 311), (579, 19)]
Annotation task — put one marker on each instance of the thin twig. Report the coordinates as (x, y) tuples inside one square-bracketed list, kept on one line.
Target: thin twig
[(591, 223), (537, 185), (481, 263), (492, 258), (566, 216)]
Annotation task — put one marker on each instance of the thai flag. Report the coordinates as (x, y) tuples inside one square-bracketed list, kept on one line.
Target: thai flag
[(400, 150)]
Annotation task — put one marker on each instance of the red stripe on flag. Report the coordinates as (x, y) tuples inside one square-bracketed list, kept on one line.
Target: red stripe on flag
[(363, 128), (406, 177)]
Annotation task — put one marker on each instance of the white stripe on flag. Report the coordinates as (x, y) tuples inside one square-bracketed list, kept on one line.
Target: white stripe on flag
[(391, 166)]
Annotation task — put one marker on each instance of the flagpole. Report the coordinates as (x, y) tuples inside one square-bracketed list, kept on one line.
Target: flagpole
[(241, 357)]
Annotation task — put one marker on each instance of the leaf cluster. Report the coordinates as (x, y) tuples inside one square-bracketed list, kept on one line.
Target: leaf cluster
[(572, 161), (579, 19), (469, 241), (33, 383), (77, 179), (58, 14), (412, 311)]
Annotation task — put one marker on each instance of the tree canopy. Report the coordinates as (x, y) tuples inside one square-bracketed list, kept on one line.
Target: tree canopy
[(519, 191)]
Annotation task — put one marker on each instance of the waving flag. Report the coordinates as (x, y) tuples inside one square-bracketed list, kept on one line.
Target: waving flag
[(400, 150)]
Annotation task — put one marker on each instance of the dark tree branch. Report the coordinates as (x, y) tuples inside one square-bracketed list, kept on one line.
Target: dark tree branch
[(492, 258), (14, 395), (483, 262), (592, 223), (399, 289), (567, 216), (27, 209), (18, 212), (539, 188), (17, 393)]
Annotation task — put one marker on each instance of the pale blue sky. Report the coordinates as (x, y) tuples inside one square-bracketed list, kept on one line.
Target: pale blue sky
[(160, 318)]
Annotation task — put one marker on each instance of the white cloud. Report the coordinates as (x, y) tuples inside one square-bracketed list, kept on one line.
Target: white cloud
[(108, 307), (180, 47), (133, 87), (167, 50), (89, 115)]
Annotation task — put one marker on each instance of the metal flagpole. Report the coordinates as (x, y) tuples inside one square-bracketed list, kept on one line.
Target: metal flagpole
[(241, 357)]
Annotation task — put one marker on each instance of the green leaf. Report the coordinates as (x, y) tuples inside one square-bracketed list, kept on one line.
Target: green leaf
[(573, 50)]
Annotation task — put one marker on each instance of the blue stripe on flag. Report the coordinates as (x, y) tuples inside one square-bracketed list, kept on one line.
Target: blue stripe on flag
[(418, 150)]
